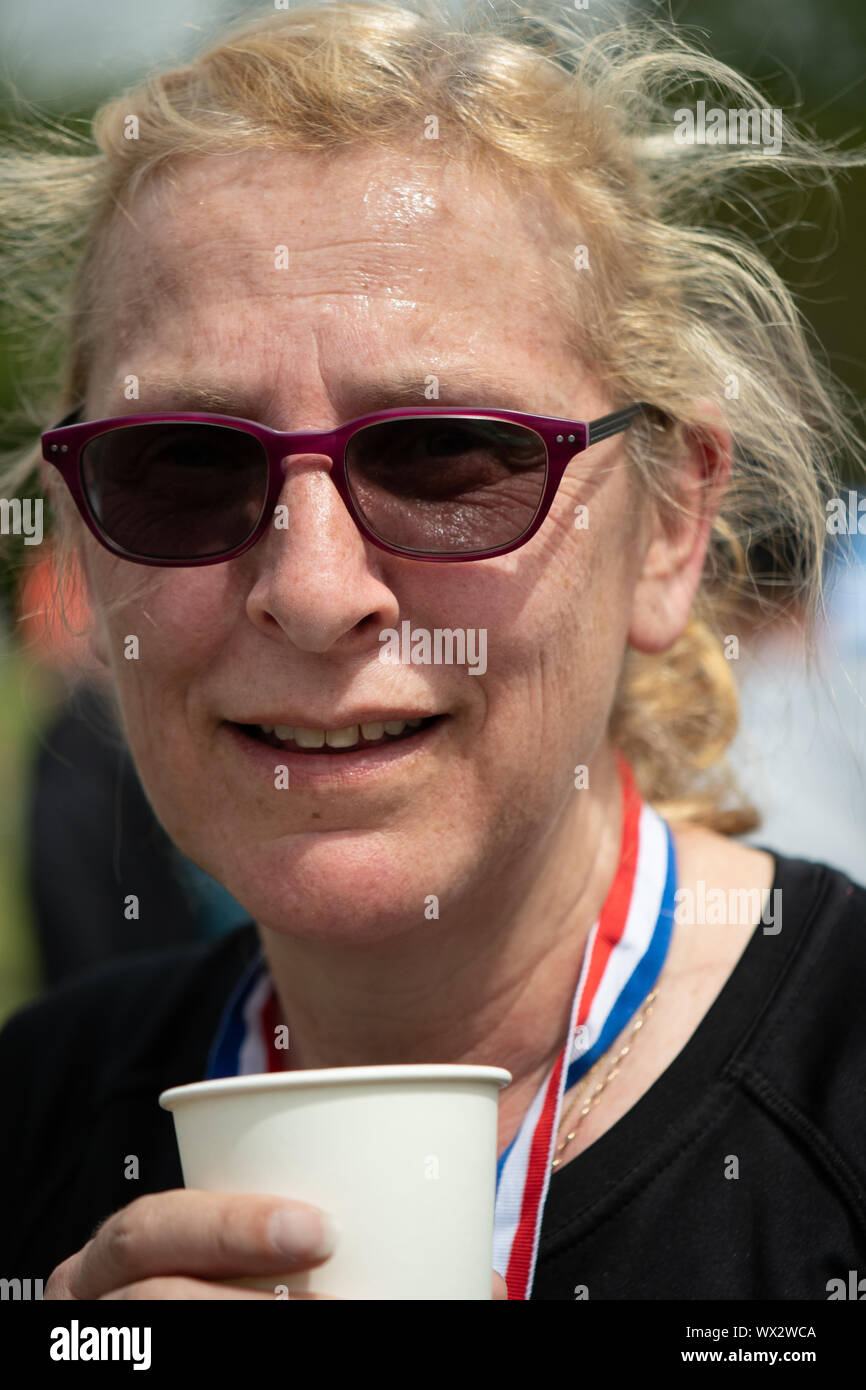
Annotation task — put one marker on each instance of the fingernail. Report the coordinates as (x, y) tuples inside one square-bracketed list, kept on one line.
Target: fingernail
[(294, 1231)]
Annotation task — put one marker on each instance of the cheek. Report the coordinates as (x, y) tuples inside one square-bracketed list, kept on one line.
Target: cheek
[(556, 616), (163, 632), (575, 603), (559, 670)]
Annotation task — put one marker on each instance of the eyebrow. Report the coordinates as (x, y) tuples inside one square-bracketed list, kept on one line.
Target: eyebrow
[(470, 387)]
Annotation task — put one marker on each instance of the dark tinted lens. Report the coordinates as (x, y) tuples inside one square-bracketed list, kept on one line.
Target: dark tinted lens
[(447, 485), (179, 491)]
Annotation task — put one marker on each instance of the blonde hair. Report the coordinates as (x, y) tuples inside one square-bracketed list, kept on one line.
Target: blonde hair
[(676, 308)]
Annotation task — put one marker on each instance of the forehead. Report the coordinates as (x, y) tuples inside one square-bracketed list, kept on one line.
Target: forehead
[(366, 251)]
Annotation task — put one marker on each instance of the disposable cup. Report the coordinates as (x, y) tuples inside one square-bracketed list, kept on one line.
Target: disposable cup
[(402, 1157)]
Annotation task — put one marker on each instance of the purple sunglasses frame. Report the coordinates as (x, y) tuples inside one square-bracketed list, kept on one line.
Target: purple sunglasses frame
[(563, 440)]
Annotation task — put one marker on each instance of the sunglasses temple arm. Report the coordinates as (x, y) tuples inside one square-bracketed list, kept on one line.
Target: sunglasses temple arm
[(611, 424)]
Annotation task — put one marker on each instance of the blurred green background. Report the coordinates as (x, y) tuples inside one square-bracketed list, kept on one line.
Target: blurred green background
[(809, 56)]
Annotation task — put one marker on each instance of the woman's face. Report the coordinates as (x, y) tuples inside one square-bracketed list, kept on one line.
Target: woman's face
[(396, 271)]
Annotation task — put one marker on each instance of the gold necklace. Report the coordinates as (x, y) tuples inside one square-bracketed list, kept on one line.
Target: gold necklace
[(636, 1026)]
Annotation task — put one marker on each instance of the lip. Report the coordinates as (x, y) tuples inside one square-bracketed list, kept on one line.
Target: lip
[(343, 721), (343, 767)]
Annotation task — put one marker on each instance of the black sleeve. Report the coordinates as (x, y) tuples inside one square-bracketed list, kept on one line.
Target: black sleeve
[(46, 1062), (81, 1071)]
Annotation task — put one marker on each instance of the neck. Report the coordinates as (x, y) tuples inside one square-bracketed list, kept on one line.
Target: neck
[(493, 985)]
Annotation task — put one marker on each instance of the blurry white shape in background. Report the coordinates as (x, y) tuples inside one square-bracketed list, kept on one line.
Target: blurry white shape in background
[(801, 750)]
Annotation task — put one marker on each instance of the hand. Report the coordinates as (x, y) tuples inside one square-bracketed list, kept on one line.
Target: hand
[(188, 1244)]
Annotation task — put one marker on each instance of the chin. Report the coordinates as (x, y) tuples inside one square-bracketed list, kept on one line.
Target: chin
[(340, 886)]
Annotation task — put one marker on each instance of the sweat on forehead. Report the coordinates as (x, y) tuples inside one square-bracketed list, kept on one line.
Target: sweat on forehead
[(364, 222)]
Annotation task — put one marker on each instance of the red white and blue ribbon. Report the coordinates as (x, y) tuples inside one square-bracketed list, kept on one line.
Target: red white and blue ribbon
[(245, 1043), (623, 958)]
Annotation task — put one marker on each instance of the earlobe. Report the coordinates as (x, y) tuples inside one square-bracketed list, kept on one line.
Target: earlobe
[(660, 611)]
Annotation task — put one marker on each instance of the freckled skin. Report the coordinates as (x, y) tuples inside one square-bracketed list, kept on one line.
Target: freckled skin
[(393, 262), (386, 266)]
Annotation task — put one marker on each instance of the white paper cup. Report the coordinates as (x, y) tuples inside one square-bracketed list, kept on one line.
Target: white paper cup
[(403, 1157)]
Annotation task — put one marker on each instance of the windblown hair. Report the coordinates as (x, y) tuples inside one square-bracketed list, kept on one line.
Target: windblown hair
[(676, 308)]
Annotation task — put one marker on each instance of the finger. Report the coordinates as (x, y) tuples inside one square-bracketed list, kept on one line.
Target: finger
[(58, 1286), (192, 1233), (500, 1288), (180, 1288)]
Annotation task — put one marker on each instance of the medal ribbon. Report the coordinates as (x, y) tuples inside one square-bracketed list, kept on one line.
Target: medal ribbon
[(622, 960)]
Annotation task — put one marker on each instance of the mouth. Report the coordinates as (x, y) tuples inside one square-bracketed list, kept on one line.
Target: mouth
[(339, 743)]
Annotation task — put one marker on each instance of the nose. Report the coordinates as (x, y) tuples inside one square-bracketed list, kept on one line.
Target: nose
[(318, 580)]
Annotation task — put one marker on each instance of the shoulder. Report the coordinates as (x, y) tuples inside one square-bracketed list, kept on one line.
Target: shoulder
[(786, 937), (116, 1015), (798, 924), (734, 892), (817, 929), (803, 1054)]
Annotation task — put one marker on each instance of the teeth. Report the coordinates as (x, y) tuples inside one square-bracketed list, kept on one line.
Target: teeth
[(342, 738), (339, 738), (309, 738)]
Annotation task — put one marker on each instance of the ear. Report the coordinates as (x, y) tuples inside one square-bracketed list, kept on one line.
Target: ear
[(674, 560)]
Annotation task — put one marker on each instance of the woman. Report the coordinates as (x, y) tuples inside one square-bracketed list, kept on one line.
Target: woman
[(352, 222)]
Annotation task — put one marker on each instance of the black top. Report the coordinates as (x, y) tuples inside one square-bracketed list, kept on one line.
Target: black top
[(771, 1086)]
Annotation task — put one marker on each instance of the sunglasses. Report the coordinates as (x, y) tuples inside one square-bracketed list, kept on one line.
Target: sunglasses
[(428, 483)]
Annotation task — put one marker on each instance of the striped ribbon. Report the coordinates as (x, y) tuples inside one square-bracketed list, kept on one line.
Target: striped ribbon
[(623, 958)]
